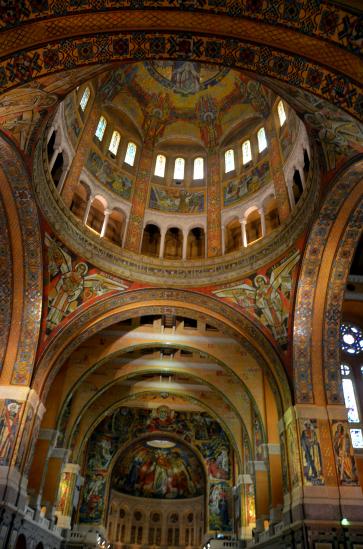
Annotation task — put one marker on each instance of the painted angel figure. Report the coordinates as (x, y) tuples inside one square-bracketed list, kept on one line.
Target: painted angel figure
[(264, 297), (73, 285)]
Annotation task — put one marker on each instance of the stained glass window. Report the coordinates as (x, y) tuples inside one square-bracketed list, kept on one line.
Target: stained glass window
[(262, 141), (246, 152), (101, 126), (229, 161), (344, 369), (114, 143), (160, 165), (198, 168), (281, 112), (351, 339), (84, 99), (357, 438), (130, 153), (350, 401), (179, 168)]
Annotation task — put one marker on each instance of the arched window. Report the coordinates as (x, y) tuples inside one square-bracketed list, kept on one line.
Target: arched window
[(130, 154), (262, 141), (179, 168), (351, 343), (246, 152), (84, 99), (281, 112), (160, 165), (114, 143), (229, 161), (198, 168), (101, 126)]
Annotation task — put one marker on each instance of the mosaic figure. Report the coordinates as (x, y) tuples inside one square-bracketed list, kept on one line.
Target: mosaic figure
[(344, 457), (312, 459), (266, 296), (9, 420), (219, 515), (71, 283)]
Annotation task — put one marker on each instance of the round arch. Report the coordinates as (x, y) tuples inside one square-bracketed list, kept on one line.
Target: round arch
[(267, 56), (319, 288)]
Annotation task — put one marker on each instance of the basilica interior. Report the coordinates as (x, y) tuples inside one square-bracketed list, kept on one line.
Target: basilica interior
[(181, 200)]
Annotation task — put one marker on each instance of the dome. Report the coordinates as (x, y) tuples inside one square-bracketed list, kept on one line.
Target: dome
[(192, 166)]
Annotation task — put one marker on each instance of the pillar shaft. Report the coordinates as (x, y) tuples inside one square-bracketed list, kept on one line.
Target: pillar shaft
[(139, 198), (244, 232), (105, 222), (276, 167), (214, 226), (81, 153)]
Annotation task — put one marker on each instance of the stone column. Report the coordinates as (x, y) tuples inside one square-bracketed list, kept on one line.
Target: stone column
[(57, 457), (214, 225), (276, 168), (81, 153), (53, 158), (261, 213), (162, 242), (65, 495), (185, 244), (141, 189), (88, 207), (107, 214), (244, 232)]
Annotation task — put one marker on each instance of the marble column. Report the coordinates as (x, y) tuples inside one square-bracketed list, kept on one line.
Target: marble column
[(261, 213), (162, 242), (214, 225), (139, 198), (81, 153), (185, 244), (88, 207), (276, 168), (244, 232), (107, 214)]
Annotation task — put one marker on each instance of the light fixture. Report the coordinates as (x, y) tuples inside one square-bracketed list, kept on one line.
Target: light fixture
[(344, 522)]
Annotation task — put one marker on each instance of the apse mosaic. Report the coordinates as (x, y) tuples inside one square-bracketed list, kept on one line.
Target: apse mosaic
[(252, 180), (72, 282), (146, 471), (266, 295), (176, 200), (125, 425), (109, 175)]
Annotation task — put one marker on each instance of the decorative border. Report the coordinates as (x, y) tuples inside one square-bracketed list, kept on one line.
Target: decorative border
[(13, 167), (320, 19), (305, 296), (334, 304), (6, 286), (127, 46)]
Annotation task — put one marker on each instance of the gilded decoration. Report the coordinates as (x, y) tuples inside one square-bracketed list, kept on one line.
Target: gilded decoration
[(332, 23), (344, 185), (72, 282), (6, 274), (266, 296), (16, 173), (25, 66)]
